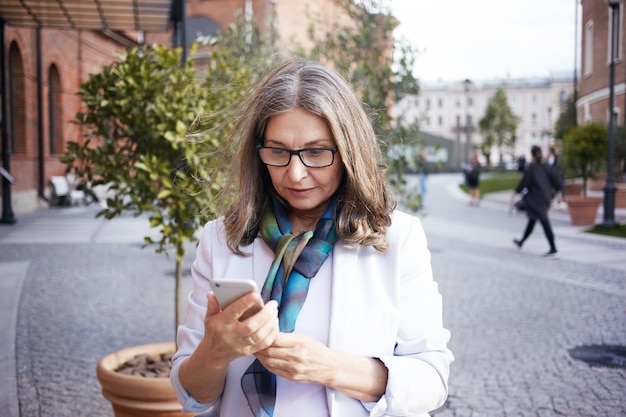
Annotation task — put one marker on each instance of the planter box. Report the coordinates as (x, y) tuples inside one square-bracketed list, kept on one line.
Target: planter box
[(582, 210)]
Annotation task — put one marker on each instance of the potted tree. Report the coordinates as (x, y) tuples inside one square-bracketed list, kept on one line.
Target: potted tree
[(137, 117), (584, 150)]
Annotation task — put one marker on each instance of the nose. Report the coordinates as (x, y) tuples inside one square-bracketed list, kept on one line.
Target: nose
[(296, 170)]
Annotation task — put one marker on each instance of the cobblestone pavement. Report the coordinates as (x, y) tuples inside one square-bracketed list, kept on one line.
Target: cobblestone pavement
[(89, 289)]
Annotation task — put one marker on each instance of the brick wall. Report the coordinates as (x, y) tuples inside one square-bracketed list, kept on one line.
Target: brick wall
[(593, 94), (74, 54)]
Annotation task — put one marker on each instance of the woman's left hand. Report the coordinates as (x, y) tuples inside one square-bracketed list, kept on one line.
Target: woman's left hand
[(299, 358)]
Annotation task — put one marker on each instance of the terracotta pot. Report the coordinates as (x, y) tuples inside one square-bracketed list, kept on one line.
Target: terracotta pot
[(582, 210), (620, 195), (136, 396), (573, 189), (597, 183)]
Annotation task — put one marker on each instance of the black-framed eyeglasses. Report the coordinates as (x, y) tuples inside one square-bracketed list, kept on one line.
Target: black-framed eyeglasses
[(312, 158)]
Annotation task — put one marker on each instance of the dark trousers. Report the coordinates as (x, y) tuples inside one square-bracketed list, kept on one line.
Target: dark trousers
[(547, 229)]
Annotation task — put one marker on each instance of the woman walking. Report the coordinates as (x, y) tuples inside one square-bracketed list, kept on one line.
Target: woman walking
[(539, 183)]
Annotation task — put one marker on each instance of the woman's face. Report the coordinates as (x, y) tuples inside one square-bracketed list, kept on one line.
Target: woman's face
[(307, 190)]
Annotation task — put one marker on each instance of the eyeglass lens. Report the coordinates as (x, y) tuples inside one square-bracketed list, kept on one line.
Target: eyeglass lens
[(313, 158)]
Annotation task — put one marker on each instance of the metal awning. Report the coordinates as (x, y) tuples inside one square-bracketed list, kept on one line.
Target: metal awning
[(115, 15)]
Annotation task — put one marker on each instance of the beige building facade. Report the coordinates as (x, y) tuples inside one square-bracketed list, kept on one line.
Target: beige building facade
[(452, 110)]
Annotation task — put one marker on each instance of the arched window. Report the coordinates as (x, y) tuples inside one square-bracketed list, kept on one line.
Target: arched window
[(200, 26), (17, 101), (55, 125)]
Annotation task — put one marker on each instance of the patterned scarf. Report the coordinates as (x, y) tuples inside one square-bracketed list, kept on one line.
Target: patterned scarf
[(297, 259)]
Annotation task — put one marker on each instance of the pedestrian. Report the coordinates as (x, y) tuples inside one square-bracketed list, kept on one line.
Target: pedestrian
[(539, 184), (352, 319), (556, 163), (423, 186), (472, 180), (521, 163)]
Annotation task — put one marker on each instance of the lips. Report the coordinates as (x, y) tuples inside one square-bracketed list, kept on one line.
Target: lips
[(299, 190)]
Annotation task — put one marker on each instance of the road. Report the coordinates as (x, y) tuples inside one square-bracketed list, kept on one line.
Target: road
[(83, 287), (515, 315)]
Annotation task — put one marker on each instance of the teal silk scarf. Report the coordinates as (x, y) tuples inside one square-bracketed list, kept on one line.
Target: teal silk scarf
[(297, 259)]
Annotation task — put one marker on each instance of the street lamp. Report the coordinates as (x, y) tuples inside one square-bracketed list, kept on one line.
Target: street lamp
[(609, 188), (467, 128)]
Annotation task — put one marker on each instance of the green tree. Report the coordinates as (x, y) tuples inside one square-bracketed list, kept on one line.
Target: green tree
[(140, 116), (379, 68), (498, 126), (567, 118), (585, 150)]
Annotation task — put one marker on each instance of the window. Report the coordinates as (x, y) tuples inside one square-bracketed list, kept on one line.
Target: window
[(588, 49), (562, 96), (17, 101), (618, 40), (55, 122), (440, 120), (533, 118), (199, 27), (440, 103), (458, 103)]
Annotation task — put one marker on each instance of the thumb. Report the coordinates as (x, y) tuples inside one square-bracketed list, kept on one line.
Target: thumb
[(213, 306)]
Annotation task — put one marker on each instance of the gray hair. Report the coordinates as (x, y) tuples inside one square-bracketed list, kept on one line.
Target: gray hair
[(364, 204)]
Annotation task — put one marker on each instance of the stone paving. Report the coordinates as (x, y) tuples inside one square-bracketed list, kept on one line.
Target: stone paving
[(88, 288)]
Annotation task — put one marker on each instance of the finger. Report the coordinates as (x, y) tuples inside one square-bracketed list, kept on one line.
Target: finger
[(245, 306)]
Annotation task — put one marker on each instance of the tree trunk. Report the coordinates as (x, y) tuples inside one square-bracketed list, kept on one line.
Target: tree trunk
[(177, 292)]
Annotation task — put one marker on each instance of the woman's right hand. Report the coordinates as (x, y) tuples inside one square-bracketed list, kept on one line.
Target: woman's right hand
[(228, 337)]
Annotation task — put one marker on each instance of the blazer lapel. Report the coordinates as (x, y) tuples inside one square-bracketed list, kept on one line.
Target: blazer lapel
[(344, 267)]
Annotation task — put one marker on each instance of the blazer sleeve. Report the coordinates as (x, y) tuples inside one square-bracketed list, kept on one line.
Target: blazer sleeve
[(419, 368), (190, 334)]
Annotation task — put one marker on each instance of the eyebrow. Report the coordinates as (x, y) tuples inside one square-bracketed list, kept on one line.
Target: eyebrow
[(320, 143)]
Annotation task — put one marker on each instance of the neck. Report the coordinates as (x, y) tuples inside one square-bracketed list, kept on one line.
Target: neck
[(302, 223)]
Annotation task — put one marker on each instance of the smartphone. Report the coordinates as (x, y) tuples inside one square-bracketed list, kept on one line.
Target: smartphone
[(228, 290)]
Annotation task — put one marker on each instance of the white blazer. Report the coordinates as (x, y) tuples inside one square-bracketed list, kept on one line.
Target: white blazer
[(383, 305)]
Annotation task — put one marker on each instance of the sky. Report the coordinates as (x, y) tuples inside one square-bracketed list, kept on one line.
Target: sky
[(487, 39)]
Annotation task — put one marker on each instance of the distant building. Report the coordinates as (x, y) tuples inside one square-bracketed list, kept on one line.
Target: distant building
[(453, 109)]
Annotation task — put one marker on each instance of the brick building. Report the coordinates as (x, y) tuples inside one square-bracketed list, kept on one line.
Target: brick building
[(50, 48), (593, 97)]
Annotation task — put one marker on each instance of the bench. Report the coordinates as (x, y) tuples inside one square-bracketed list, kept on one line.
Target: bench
[(63, 194)]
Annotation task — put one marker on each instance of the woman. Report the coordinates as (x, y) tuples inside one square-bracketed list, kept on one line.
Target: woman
[(539, 183), (472, 179), (362, 333)]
